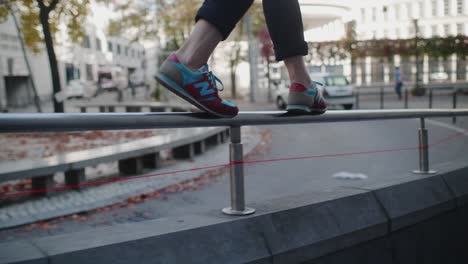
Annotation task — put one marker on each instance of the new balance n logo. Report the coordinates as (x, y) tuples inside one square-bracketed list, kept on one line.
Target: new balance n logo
[(205, 88)]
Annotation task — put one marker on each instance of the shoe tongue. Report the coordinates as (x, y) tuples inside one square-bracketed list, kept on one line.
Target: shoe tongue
[(203, 69)]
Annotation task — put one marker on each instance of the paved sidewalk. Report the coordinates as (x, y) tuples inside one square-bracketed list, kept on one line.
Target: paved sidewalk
[(70, 202)]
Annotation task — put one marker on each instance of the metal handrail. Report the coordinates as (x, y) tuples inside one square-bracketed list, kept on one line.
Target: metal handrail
[(113, 121)]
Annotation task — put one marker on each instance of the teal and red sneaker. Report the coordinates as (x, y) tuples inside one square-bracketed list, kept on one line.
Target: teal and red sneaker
[(302, 99), (196, 87)]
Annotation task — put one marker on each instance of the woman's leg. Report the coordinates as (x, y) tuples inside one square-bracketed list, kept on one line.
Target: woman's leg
[(215, 21), (297, 70), (287, 35)]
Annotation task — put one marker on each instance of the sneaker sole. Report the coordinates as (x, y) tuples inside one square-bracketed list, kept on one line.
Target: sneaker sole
[(301, 109), (179, 91)]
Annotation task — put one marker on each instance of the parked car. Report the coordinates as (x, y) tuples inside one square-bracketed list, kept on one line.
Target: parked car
[(336, 90), (438, 77), (112, 79), (137, 78), (80, 89), (106, 81), (74, 89)]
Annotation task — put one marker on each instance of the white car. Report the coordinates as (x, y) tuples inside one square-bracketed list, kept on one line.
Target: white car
[(80, 89), (438, 76), (75, 89), (336, 90)]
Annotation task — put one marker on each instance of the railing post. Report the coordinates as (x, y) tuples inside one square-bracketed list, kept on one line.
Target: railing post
[(357, 100), (430, 98), (454, 101), (237, 176), (381, 97), (423, 151), (406, 98)]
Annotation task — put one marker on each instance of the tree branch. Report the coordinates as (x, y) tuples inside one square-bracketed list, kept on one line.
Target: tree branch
[(6, 3), (52, 5), (41, 4)]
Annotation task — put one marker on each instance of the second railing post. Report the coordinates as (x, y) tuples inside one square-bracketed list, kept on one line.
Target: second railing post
[(236, 158), (423, 150), (381, 97)]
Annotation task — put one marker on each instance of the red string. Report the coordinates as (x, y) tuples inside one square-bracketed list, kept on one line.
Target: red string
[(61, 188)]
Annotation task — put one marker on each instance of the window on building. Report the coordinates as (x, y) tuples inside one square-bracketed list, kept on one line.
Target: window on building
[(409, 10), (434, 8), (374, 14), (363, 15), (133, 53), (385, 13), (126, 51), (86, 42), (397, 33), (89, 72), (119, 49), (11, 66), (397, 12), (385, 33), (421, 32), (446, 7), (435, 32), (411, 31), (447, 30), (460, 6), (109, 46), (460, 29), (98, 44), (71, 72), (421, 9)]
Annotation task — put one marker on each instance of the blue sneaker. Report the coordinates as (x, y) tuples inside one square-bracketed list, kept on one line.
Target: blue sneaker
[(196, 87), (305, 100)]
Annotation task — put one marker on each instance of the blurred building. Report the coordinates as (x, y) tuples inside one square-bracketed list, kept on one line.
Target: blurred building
[(398, 19), (15, 86), (316, 14), (99, 62), (394, 19)]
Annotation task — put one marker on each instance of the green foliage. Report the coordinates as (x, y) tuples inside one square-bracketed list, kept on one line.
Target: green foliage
[(157, 94), (258, 18), (3, 13), (147, 19), (71, 13), (385, 48), (136, 21), (177, 20)]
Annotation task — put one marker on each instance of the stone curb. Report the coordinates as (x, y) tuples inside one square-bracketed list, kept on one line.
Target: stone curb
[(293, 229)]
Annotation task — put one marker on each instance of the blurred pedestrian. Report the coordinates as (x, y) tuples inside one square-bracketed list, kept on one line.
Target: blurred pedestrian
[(186, 73), (398, 82)]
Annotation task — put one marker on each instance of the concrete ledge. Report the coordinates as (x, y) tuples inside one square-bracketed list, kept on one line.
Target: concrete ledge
[(457, 181), (412, 221), (190, 239), (374, 252), (414, 201), (317, 229), (21, 253), (279, 233)]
